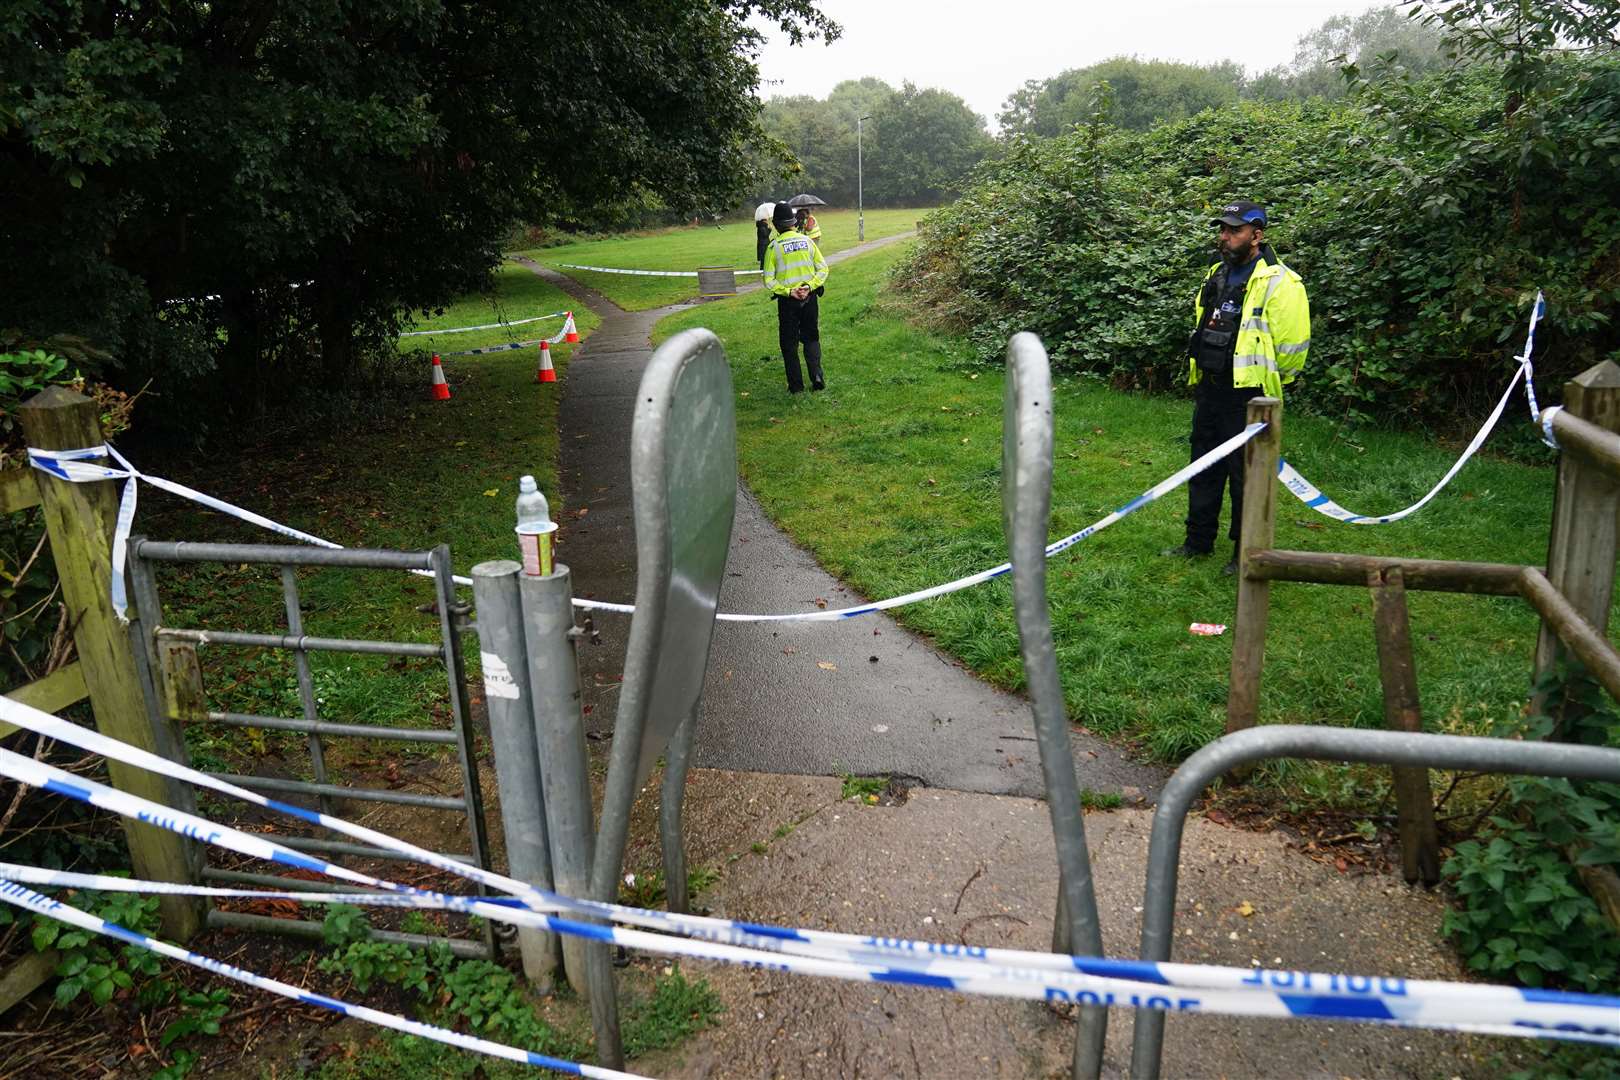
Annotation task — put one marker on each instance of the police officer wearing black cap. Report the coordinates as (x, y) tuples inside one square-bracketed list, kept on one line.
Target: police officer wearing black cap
[(1252, 333)]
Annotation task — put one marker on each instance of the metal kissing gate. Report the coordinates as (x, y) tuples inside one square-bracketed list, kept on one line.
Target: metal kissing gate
[(174, 692)]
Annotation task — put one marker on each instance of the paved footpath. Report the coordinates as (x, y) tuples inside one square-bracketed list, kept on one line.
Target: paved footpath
[(969, 857), (895, 705)]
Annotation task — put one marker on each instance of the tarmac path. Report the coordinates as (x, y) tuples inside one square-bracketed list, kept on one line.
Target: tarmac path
[(895, 705)]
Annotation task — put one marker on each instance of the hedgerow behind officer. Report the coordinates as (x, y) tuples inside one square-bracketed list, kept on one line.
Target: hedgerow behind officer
[(1252, 334), (794, 269)]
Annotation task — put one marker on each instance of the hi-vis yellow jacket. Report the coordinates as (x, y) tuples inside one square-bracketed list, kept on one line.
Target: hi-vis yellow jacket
[(1274, 337), (792, 259)]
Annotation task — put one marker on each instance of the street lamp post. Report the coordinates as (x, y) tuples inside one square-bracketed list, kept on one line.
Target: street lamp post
[(860, 211)]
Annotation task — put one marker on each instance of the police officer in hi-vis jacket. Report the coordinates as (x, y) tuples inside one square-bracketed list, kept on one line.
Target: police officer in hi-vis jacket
[(1252, 333), (794, 269)]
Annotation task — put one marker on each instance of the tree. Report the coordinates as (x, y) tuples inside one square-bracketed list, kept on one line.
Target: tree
[(1355, 39), (918, 144), (923, 144), (1145, 92), (290, 178)]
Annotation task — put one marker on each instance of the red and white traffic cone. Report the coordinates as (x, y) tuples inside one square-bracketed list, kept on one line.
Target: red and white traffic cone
[(441, 389), (570, 333), (545, 373)]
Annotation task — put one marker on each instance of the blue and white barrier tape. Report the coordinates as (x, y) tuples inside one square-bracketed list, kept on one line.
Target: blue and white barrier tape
[(498, 348), (1311, 495), (649, 273), (486, 326), (18, 896), (1157, 491), (72, 465), (999, 972), (1019, 974)]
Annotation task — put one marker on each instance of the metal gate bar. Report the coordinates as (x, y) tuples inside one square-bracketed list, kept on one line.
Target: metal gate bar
[(1245, 747), (452, 617)]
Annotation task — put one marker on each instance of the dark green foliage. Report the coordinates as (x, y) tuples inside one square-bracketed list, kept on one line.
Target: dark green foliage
[(1523, 910), (488, 1000), (217, 192), (1394, 207), (917, 145), (1145, 93)]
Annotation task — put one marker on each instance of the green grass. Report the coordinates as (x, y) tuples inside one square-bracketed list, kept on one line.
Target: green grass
[(420, 473), (518, 293), (690, 247), (891, 477)]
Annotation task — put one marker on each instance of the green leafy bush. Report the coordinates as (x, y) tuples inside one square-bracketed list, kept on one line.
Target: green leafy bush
[(1523, 911), (1422, 219)]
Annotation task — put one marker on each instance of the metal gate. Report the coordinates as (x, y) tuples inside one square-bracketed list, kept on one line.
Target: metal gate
[(174, 693)]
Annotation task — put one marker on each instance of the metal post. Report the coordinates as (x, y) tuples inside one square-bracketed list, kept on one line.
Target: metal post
[(1259, 528), (1026, 503), (860, 186), (1316, 744), (671, 798), (451, 612), (514, 747), (559, 728), (306, 682)]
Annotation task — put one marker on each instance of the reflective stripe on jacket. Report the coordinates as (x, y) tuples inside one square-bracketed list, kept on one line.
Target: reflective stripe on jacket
[(792, 259), (1274, 337)]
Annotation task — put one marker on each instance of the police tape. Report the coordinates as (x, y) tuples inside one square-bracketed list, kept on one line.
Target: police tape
[(74, 466), (486, 326), (1312, 496), (985, 970), (27, 899), (1007, 973), (1157, 491), (649, 273), (531, 343)]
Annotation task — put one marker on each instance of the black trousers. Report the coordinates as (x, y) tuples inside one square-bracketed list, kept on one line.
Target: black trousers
[(1218, 414), (796, 321)]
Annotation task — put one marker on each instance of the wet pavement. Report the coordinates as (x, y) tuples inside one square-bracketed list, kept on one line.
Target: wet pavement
[(889, 703), (966, 858)]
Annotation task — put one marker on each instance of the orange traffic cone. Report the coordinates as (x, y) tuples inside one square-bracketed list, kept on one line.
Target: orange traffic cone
[(570, 334), (441, 389), (545, 373)]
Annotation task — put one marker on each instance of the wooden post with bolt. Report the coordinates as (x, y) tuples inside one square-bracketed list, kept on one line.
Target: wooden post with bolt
[(80, 519), (1259, 529)]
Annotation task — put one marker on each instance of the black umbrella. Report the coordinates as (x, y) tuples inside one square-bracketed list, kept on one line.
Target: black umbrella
[(806, 200)]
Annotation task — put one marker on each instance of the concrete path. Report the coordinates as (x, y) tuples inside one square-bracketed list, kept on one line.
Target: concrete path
[(894, 704)]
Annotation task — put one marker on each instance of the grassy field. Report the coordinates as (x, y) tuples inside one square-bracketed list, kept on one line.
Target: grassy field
[(688, 248), (891, 477), (417, 474), (518, 293)]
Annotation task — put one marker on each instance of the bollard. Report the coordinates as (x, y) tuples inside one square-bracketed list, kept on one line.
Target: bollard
[(514, 747), (559, 730)]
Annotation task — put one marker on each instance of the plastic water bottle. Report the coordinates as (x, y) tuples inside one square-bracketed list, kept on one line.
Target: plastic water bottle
[(534, 528)]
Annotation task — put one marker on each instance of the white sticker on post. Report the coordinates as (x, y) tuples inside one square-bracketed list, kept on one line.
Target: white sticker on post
[(498, 681)]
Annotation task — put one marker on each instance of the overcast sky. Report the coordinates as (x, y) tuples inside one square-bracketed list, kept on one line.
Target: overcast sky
[(984, 51)]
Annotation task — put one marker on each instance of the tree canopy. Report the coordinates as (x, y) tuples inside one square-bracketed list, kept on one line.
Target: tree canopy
[(917, 144), (287, 179)]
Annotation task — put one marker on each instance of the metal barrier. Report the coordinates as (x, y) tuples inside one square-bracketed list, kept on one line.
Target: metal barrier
[(1316, 744), (683, 475), (174, 693), (1026, 505)]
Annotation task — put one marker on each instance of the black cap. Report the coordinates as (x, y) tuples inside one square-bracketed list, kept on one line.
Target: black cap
[(783, 215), (1241, 212)]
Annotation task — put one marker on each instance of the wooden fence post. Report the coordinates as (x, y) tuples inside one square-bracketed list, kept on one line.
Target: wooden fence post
[(1581, 548), (1414, 803), (79, 519), (1259, 529)]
